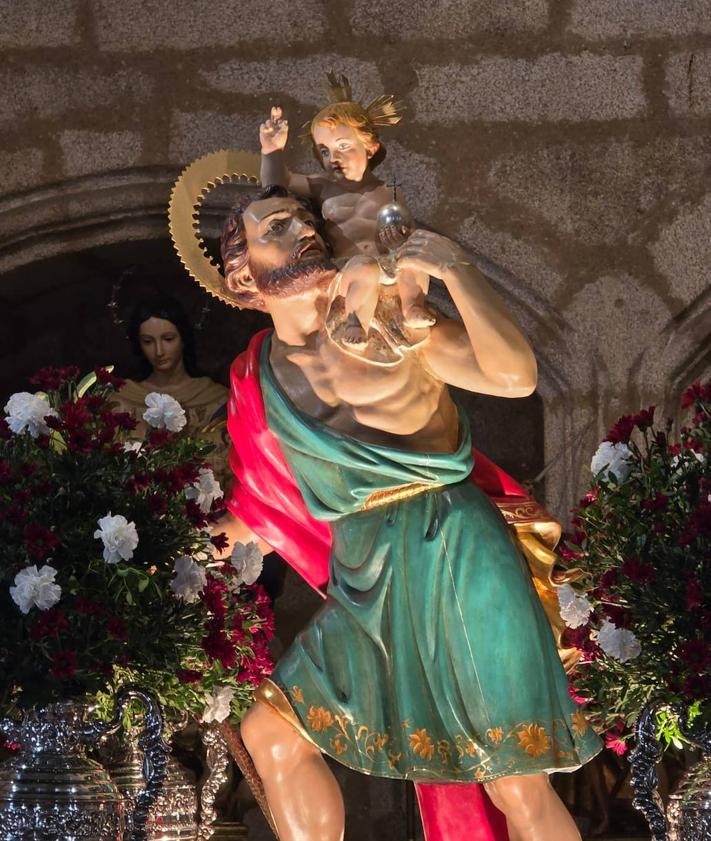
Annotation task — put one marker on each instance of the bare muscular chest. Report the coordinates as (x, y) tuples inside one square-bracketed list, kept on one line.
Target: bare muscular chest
[(367, 401)]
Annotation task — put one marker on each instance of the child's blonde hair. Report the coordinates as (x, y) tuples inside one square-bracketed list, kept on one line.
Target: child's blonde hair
[(363, 119)]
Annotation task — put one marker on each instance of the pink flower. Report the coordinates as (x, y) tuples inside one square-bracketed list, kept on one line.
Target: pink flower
[(615, 744), (573, 692)]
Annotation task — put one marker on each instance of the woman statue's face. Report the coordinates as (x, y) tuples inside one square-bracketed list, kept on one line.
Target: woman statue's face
[(161, 343)]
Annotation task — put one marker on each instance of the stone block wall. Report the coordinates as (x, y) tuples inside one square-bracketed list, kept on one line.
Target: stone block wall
[(566, 143)]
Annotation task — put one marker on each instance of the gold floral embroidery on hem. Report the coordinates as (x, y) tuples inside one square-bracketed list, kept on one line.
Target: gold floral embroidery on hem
[(580, 722), (534, 740), (319, 719), (495, 734), (503, 751), (421, 743)]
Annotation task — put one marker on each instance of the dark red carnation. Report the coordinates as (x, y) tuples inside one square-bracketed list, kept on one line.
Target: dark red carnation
[(74, 413), (106, 377), (212, 597), (608, 579), (694, 394), (185, 474), (80, 441), (220, 541), (637, 571), (218, 647), (158, 437), (117, 628), (620, 432), (49, 624), (40, 542), (189, 676), (5, 431), (696, 654), (618, 615), (138, 482), (658, 502), (580, 638), (48, 379), (195, 515), (644, 418), (64, 664), (95, 403), (88, 607), (697, 686), (698, 525), (157, 503)]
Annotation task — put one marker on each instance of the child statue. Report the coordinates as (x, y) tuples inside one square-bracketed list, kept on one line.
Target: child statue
[(345, 142)]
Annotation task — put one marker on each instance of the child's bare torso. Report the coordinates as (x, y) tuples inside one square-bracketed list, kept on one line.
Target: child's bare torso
[(350, 211)]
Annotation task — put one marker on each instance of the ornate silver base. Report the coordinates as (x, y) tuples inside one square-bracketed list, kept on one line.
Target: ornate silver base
[(173, 815), (689, 809)]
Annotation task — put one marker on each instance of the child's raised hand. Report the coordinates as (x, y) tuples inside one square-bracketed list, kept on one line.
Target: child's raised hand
[(273, 132)]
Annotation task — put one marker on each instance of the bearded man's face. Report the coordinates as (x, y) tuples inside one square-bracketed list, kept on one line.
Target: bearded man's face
[(287, 255)]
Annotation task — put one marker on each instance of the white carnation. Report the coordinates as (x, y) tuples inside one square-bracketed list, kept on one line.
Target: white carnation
[(218, 703), (205, 490), (618, 643), (190, 579), (247, 561), (119, 537), (574, 609), (27, 411), (164, 412), (612, 458), (35, 588), (133, 446)]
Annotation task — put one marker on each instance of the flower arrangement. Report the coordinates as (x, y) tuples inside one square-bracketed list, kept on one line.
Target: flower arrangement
[(106, 558), (643, 537)]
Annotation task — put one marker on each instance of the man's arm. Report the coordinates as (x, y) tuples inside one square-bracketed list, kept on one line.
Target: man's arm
[(487, 352), (237, 532)]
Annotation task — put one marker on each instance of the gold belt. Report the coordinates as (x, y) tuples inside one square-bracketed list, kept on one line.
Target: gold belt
[(388, 495)]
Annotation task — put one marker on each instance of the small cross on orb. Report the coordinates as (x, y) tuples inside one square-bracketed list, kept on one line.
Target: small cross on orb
[(394, 183)]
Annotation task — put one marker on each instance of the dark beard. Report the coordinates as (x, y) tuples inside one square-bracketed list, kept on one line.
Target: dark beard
[(292, 279)]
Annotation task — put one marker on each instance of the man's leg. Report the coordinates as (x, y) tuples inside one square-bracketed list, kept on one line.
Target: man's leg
[(533, 810), (303, 794)]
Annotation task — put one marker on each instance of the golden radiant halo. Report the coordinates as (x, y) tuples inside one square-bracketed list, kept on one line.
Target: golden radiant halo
[(195, 182)]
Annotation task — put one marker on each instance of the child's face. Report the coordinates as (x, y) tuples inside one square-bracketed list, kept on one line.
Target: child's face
[(343, 153)]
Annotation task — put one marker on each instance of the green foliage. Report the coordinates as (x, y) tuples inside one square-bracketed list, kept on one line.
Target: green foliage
[(643, 540), (116, 622)]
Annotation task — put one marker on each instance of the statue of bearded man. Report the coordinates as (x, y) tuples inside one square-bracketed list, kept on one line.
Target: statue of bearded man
[(431, 658)]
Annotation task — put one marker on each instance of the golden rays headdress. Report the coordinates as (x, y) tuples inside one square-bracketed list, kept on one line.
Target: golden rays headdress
[(382, 111), (195, 183)]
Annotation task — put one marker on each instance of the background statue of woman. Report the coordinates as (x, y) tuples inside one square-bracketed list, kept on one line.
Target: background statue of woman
[(163, 341)]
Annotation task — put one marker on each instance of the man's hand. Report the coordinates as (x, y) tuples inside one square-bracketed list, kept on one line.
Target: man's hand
[(274, 132), (430, 253)]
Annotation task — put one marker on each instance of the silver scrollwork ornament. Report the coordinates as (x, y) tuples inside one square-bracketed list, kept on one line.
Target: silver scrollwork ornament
[(172, 816), (51, 789), (688, 815)]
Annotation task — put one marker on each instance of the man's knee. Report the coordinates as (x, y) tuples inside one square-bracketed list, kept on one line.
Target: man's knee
[(272, 742), (525, 797)]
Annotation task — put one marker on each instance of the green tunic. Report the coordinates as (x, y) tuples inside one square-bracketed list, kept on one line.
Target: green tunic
[(432, 658)]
